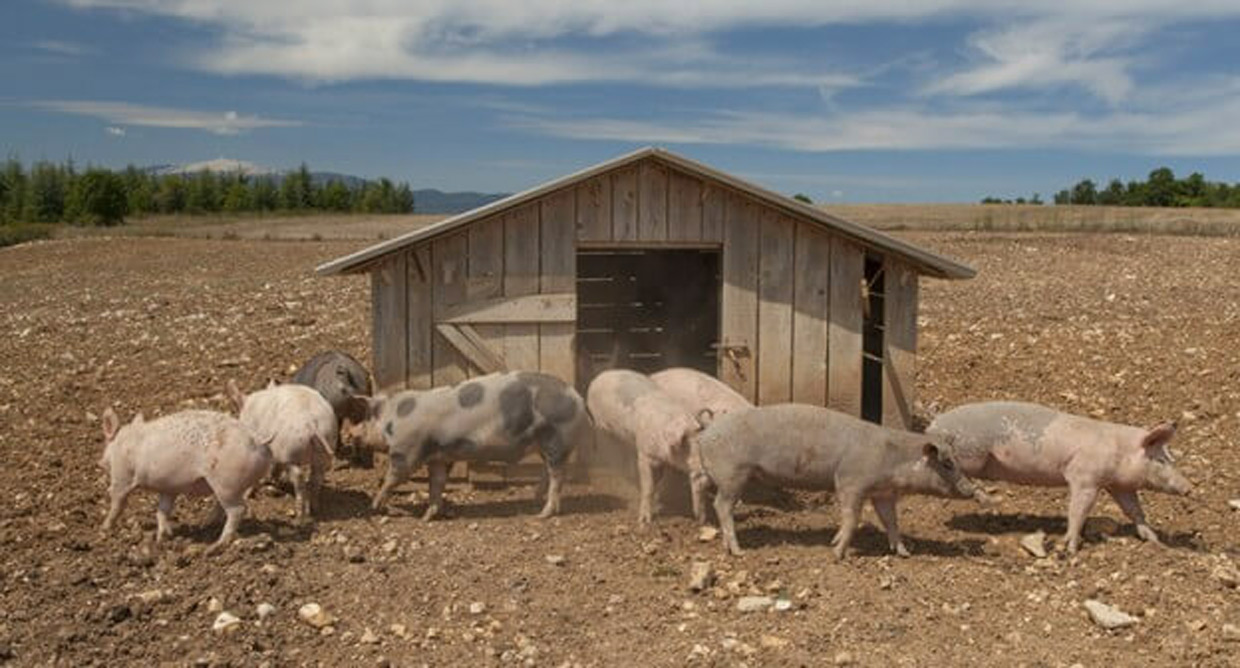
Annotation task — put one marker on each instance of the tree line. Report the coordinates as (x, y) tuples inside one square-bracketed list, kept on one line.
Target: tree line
[(1162, 188), (49, 192)]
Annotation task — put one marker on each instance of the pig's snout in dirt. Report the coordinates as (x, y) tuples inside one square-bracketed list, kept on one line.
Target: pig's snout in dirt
[(941, 458)]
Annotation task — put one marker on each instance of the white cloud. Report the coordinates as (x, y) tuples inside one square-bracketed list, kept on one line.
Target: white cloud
[(1051, 52), (1190, 127), (63, 48), (123, 113), (115, 131)]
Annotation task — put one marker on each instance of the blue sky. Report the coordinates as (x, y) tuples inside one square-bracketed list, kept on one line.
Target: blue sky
[(882, 101)]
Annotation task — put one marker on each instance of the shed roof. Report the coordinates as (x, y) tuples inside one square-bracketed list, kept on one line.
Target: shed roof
[(923, 260)]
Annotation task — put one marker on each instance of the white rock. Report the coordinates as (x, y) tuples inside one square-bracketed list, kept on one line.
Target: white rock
[(214, 605), (477, 608), (707, 534), (1035, 543), (701, 575), (1227, 574), (555, 559), (844, 659), (314, 615), (265, 610), (1234, 504), (1108, 617), (151, 597), (754, 603), (1231, 632), (369, 637), (225, 622), (782, 605)]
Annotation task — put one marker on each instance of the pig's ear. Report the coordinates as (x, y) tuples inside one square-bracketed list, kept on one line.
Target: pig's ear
[(1155, 442), (235, 394), (111, 423)]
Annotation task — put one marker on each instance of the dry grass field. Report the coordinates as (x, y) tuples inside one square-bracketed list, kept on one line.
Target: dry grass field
[(891, 217), (1116, 326)]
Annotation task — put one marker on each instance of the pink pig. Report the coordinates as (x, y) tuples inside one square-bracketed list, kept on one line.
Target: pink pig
[(631, 410), (696, 391), (192, 452), (1028, 444)]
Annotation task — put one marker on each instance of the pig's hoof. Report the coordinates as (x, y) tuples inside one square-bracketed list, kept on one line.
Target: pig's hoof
[(1148, 535), (902, 552)]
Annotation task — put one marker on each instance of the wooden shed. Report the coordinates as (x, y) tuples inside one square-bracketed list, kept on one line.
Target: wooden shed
[(647, 261)]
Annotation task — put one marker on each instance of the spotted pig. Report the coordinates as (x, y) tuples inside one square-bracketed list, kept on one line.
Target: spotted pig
[(498, 417)]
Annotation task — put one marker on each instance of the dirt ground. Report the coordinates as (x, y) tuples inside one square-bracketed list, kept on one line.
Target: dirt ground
[(1135, 329)]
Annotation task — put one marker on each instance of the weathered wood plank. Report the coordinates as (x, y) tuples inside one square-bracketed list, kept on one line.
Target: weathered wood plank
[(624, 205), (900, 344), (684, 209), (739, 308), (714, 200), (420, 319), (810, 316), (389, 311), (450, 266), (486, 270), (777, 237), (652, 201), (466, 341), (522, 246), (560, 307), (844, 332), (594, 209), (558, 275)]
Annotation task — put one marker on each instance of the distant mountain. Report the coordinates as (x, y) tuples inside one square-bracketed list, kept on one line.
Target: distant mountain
[(437, 201), (428, 200)]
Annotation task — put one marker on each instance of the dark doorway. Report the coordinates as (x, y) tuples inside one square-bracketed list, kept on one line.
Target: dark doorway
[(874, 329), (646, 310)]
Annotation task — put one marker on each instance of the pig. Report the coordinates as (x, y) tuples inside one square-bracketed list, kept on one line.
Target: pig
[(339, 376), (192, 452), (696, 391), (1029, 444), (811, 447), (497, 417), (633, 410), (303, 429)]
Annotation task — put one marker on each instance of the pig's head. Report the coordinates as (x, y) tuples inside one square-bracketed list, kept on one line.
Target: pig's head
[(114, 434), (362, 429), (1157, 465), (941, 473)]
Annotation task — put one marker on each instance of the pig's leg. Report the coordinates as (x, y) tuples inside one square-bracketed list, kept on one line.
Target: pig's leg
[(120, 494), (697, 490), (438, 473), (397, 472), (728, 488), (1131, 505), (162, 513), (850, 513), (1081, 500), (555, 482), (297, 474), (645, 478), (885, 507), (318, 467), (234, 510)]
